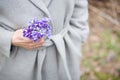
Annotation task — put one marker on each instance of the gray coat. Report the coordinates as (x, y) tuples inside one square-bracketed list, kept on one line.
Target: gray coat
[(59, 57)]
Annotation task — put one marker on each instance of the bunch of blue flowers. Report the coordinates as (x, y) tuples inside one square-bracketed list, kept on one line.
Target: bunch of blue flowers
[(38, 29)]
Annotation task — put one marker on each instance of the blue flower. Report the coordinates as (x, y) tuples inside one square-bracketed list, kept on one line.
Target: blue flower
[(38, 29)]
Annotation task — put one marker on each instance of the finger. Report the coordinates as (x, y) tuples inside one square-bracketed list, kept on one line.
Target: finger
[(24, 41), (21, 37), (41, 41), (29, 47), (27, 40), (34, 45)]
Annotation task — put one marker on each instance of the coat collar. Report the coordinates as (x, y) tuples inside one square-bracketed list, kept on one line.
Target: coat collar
[(41, 5)]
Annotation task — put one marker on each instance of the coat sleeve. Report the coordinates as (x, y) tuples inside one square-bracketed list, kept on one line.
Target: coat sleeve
[(5, 41), (79, 20), (78, 29)]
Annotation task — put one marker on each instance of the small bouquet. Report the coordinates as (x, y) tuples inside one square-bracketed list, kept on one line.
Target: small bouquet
[(38, 29)]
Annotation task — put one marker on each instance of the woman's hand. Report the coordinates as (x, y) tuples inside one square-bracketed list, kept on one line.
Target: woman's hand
[(19, 40)]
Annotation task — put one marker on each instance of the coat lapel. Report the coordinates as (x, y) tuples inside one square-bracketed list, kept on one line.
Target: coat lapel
[(39, 4), (47, 2), (44, 8)]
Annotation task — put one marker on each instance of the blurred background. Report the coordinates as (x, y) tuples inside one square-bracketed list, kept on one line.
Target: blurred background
[(101, 53)]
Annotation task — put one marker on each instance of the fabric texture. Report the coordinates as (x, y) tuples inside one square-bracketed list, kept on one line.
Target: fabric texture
[(59, 57)]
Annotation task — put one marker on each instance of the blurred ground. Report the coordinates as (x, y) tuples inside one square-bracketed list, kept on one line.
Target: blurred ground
[(101, 53)]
